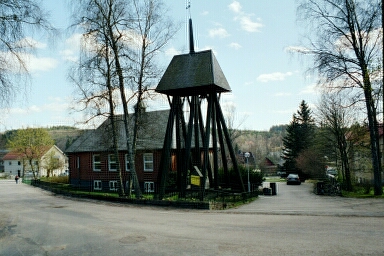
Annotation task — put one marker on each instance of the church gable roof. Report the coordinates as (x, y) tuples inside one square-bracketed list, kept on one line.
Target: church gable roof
[(152, 127)]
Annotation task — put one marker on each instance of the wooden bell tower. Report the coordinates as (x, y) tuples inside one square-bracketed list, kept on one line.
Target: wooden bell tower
[(200, 140)]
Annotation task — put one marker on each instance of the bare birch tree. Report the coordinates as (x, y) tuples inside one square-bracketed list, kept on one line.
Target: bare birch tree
[(18, 19), (95, 80), (134, 31), (346, 50), (151, 30), (98, 76), (337, 120)]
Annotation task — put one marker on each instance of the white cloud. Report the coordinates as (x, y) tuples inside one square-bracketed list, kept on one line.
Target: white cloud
[(24, 111), (41, 64), (310, 89), (32, 63), (276, 76), (29, 42), (204, 13), (20, 62), (54, 112), (218, 32), (34, 109), (17, 111), (235, 7), (172, 52), (245, 20), (248, 25), (207, 47), (236, 46), (72, 46), (132, 39), (52, 104), (296, 49), (68, 54)]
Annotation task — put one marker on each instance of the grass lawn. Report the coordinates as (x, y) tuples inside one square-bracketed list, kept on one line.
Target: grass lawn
[(361, 192), (274, 179)]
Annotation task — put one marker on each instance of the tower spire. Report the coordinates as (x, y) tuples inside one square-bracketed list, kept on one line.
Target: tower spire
[(191, 42), (189, 7)]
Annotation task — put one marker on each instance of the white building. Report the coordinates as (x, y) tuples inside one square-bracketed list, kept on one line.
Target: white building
[(15, 165)]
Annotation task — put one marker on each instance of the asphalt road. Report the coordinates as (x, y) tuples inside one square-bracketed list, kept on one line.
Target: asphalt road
[(35, 222), (300, 200)]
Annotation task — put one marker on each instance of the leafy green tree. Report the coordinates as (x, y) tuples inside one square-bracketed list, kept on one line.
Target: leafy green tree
[(31, 144), (299, 137), (51, 162)]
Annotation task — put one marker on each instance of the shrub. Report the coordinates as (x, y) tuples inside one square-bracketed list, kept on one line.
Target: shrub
[(255, 177), (58, 179)]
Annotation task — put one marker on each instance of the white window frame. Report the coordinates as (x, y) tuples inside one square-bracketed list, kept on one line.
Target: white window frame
[(111, 162), (127, 164), (78, 162), (113, 185), (97, 185), (95, 163), (149, 186), (148, 160)]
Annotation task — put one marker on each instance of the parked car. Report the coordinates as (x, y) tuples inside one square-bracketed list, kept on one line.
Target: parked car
[(293, 179), (332, 172)]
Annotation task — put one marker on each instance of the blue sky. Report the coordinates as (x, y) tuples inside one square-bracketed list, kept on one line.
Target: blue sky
[(250, 40)]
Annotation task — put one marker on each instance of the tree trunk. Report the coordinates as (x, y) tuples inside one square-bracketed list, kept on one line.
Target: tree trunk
[(374, 136), (113, 126), (130, 153), (345, 163)]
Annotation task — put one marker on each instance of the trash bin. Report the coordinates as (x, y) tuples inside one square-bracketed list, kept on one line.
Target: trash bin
[(267, 191), (273, 187), (320, 188)]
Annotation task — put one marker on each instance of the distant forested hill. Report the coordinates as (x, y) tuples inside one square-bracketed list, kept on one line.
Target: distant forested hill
[(261, 143), (63, 136)]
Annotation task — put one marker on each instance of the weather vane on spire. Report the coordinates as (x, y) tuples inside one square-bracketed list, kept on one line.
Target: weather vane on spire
[(189, 7)]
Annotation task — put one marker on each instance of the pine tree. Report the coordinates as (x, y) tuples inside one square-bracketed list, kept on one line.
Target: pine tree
[(300, 134)]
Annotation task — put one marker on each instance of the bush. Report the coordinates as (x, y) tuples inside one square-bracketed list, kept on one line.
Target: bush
[(255, 177), (57, 179)]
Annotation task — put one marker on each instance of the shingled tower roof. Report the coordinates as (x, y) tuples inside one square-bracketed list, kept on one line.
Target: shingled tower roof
[(195, 73)]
